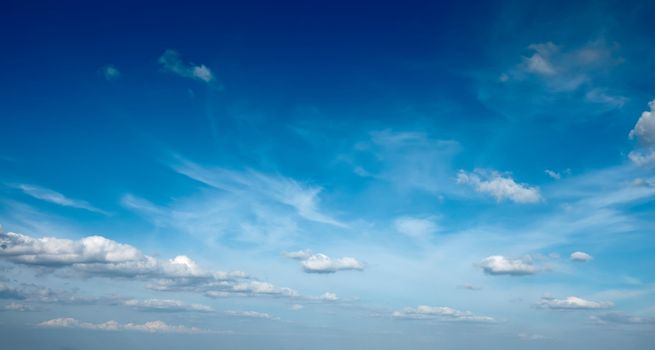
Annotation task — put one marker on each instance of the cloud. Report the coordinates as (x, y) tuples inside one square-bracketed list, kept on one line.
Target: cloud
[(644, 133), (445, 313), (8, 292), (149, 327), (250, 314), (110, 72), (553, 174), (580, 257), (51, 196), (469, 287), (101, 257), (573, 303), (17, 307), (419, 228), (166, 305), (321, 263), (328, 296), (304, 199), (531, 336), (623, 319), (499, 186), (500, 265), (171, 62), (296, 307)]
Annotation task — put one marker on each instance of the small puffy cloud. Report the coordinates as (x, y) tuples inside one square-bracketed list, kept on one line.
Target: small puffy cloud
[(644, 133), (580, 257), (51, 196), (500, 265), (110, 72), (644, 130), (499, 186), (573, 303), (443, 313), (149, 327), (166, 305), (171, 62), (250, 314), (419, 228), (321, 263), (328, 296), (623, 319)]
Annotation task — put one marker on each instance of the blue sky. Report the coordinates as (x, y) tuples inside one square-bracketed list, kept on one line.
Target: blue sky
[(321, 174)]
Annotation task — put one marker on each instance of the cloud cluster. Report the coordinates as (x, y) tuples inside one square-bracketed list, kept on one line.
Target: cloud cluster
[(321, 263), (644, 133), (500, 265), (425, 312), (573, 303), (171, 62), (149, 327), (97, 256), (499, 186)]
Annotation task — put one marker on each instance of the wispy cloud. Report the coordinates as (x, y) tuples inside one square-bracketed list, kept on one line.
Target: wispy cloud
[(415, 227), (171, 62), (573, 303), (51, 196), (150, 327), (110, 72)]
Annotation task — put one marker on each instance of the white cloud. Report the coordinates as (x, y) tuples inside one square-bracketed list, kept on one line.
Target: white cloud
[(644, 130), (553, 174), (172, 62), (500, 265), (644, 133), (150, 327), (296, 307), (51, 196), (166, 305), (304, 199), (250, 314), (499, 186), (110, 72), (625, 319), (328, 296), (580, 256), (98, 256), (539, 62), (424, 312), (573, 303), (321, 263), (420, 228)]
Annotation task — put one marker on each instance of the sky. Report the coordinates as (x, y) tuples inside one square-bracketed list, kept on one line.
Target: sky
[(326, 174)]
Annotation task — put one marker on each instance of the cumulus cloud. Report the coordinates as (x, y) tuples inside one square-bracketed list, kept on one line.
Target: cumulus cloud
[(328, 296), (500, 265), (171, 62), (445, 313), (580, 257), (644, 133), (419, 228), (499, 186), (624, 319), (51, 196), (110, 72), (149, 327), (99, 256), (166, 305), (573, 303), (321, 263)]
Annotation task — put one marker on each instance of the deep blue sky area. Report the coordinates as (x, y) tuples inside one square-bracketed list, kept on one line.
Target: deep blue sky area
[(360, 174)]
